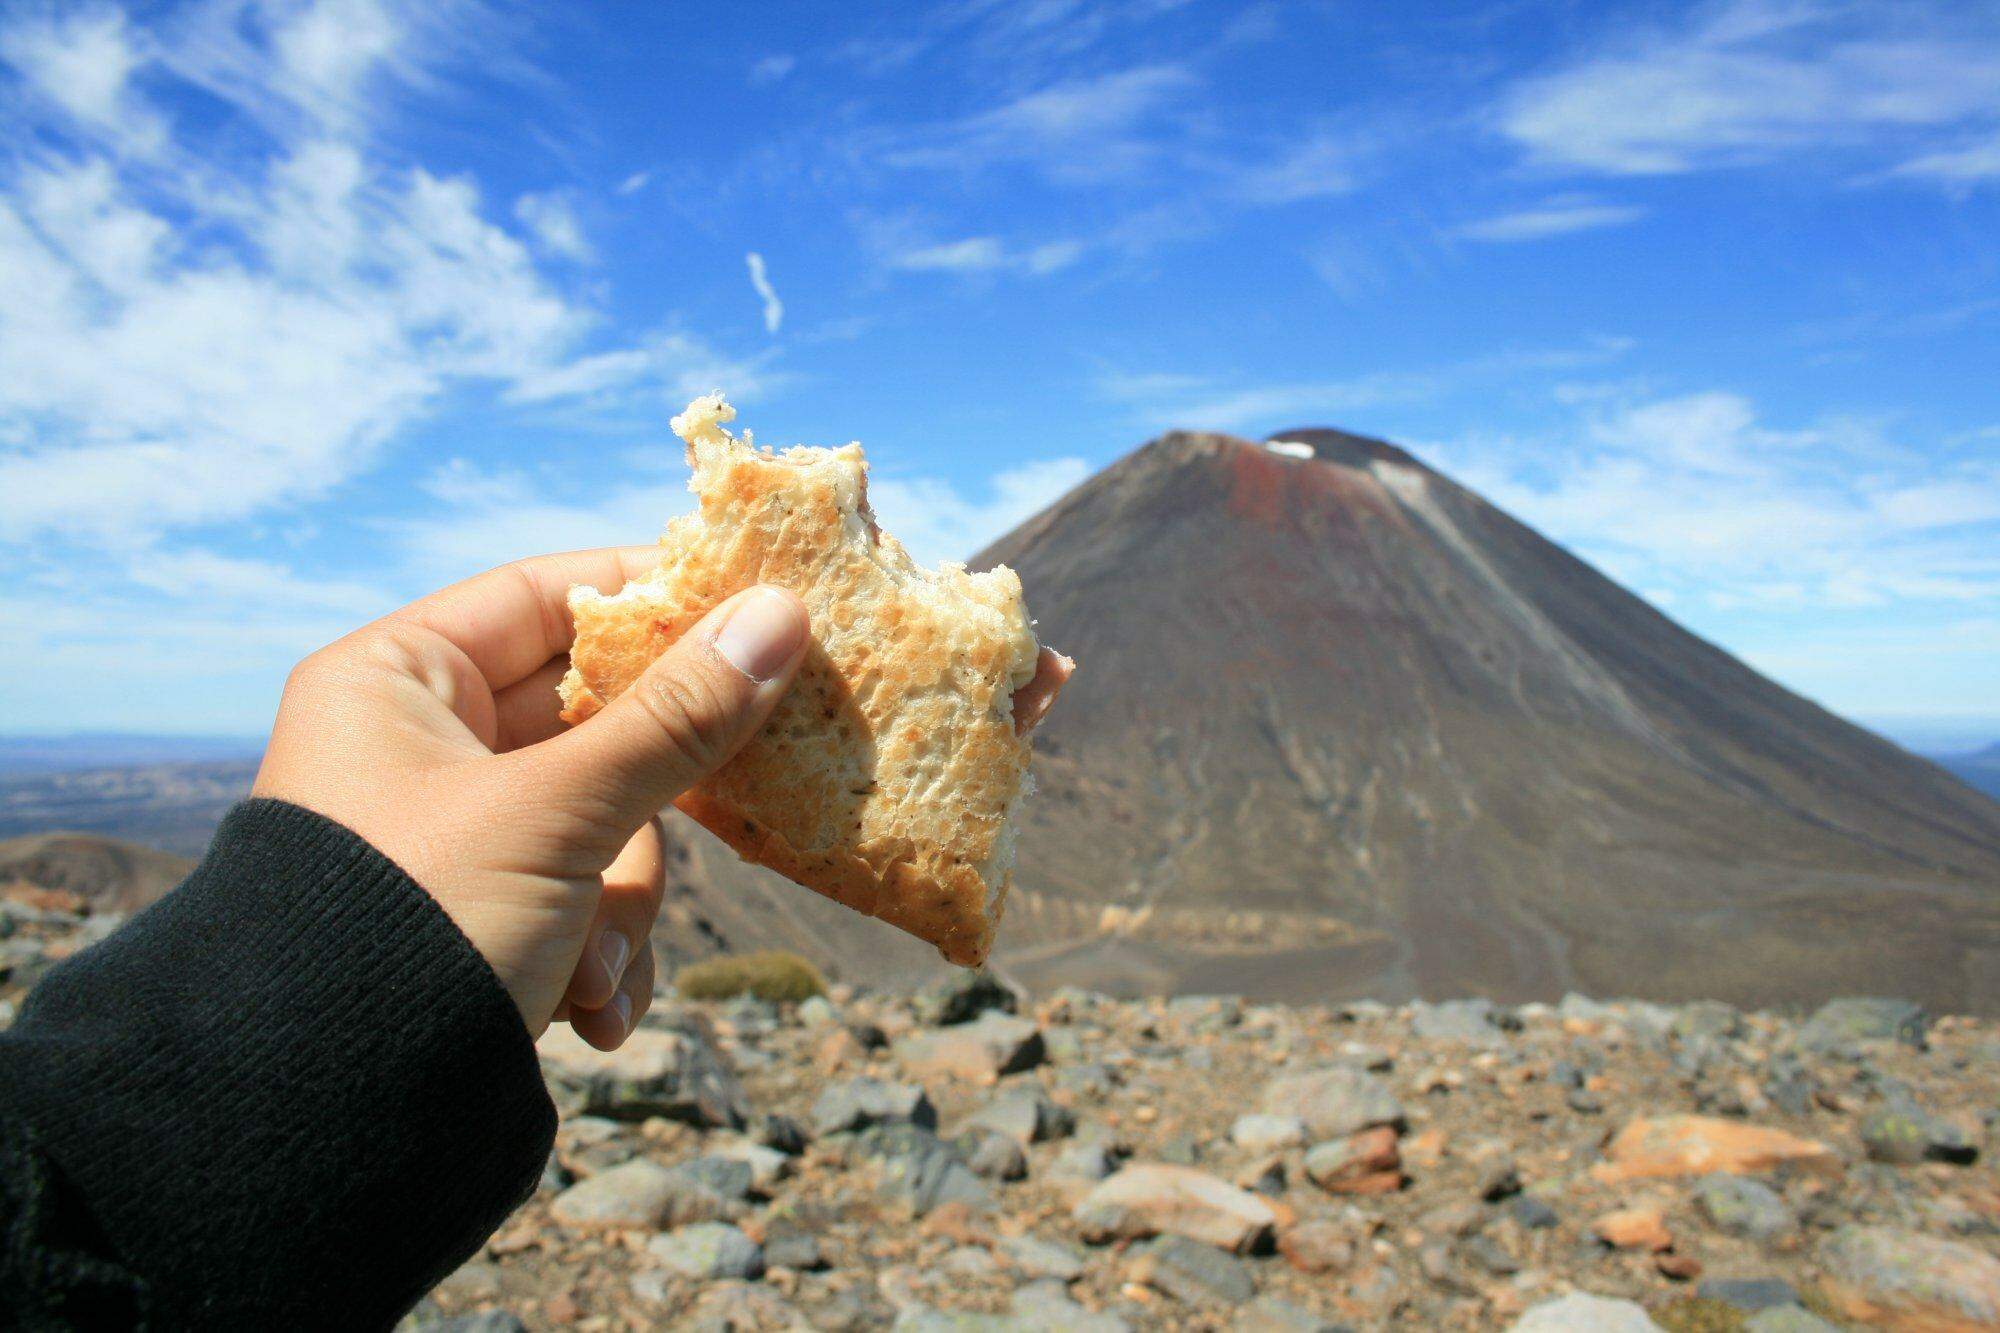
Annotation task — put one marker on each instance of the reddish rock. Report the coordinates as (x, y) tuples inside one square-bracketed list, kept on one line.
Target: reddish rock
[(1364, 1163), (1694, 1145), (1633, 1229), (1679, 1267), (1906, 1282), (1316, 1247)]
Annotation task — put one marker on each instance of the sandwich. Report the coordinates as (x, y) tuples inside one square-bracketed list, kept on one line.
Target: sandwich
[(890, 775)]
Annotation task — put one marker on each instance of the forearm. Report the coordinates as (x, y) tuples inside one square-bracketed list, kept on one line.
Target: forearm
[(290, 1093)]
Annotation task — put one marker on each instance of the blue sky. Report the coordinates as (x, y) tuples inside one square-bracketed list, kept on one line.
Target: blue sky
[(306, 308)]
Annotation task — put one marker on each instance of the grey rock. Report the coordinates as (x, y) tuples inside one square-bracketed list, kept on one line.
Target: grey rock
[(1789, 1085), (1092, 1081), (1499, 1181), (1581, 1312), (816, 1011), (639, 1196), (1584, 1102), (708, 1250), (677, 1074), (1025, 1115), (1194, 1273), (1904, 1134), (991, 1045), (1043, 1258), (1333, 1102), (1083, 1161), (1152, 1198), (780, 1133), (1706, 1019), (789, 1245), (1532, 1213), (1841, 1025), (920, 1170), (485, 1321), (860, 1103), (960, 996), (994, 1156), (1927, 1281), (767, 1166), (1268, 1133), (709, 1188), (1745, 1207), (1484, 1252), (1041, 1306), (1748, 1294), (1268, 1314), (1467, 1021)]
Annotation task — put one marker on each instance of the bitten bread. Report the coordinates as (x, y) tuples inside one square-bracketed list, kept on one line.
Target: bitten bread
[(890, 772)]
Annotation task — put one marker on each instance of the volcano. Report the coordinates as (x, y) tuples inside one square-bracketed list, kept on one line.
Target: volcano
[(1342, 728)]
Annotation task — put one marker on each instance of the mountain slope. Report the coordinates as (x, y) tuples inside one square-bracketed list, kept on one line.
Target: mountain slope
[(1980, 769), (1342, 727)]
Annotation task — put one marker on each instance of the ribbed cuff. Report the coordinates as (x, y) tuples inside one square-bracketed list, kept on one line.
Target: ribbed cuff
[(291, 1087)]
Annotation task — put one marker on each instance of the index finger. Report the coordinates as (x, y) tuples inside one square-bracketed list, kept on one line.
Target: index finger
[(510, 621)]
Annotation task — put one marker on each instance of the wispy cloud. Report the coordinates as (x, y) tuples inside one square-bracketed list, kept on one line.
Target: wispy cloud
[(634, 183), (987, 254), (1207, 402), (1696, 493), (1750, 79), (553, 226), (938, 521), (1319, 166), (183, 346), (1554, 217), (771, 69), (760, 281)]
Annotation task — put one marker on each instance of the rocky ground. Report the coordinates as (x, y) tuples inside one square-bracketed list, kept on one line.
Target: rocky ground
[(967, 1159)]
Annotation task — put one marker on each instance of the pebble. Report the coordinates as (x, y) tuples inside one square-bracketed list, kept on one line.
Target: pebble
[(1744, 1207), (1333, 1103), (1580, 1312), (1194, 1273)]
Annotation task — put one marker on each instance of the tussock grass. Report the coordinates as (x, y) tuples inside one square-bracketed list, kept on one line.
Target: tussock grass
[(770, 975)]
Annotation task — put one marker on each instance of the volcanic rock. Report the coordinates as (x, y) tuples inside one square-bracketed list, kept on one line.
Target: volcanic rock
[(1150, 1198)]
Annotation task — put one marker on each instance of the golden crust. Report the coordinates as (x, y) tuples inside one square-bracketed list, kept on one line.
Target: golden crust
[(887, 775)]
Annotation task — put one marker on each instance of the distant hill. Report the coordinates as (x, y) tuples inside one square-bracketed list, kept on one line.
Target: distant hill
[(1980, 769), (112, 875), (173, 807)]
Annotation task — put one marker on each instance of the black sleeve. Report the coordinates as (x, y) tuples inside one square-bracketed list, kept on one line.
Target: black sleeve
[(290, 1094)]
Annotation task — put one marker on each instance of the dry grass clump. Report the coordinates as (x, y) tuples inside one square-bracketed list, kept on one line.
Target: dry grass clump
[(1698, 1314), (770, 975)]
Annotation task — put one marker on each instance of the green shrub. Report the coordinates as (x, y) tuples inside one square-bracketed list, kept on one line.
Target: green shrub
[(772, 975), (1696, 1314)]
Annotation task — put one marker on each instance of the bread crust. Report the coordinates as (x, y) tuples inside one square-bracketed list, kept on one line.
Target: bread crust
[(887, 776)]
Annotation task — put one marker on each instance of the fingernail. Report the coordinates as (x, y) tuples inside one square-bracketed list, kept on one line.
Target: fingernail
[(616, 951), (762, 633), (621, 1005)]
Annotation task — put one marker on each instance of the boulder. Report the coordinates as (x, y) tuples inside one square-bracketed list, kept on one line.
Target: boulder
[(636, 1196), (1025, 1115), (1904, 1134), (1469, 1022), (1907, 1282), (978, 1052), (920, 1170), (1844, 1024), (708, 1250), (1149, 1199), (676, 1074), (1333, 1102), (859, 1103), (1693, 1145)]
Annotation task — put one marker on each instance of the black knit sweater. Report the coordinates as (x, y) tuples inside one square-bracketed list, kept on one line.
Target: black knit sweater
[(288, 1095)]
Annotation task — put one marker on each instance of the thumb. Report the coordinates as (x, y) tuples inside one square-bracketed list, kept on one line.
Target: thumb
[(682, 719)]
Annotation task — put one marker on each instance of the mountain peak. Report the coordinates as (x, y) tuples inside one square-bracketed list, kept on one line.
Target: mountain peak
[(1343, 447)]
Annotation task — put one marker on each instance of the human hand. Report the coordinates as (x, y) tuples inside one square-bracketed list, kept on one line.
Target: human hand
[(434, 734)]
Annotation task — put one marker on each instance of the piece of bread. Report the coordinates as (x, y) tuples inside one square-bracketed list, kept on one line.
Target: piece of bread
[(890, 772)]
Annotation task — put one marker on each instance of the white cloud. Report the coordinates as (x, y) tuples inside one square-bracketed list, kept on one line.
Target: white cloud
[(553, 226), (1751, 79), (760, 282), (1977, 161), (771, 69), (81, 59), (987, 254), (194, 345), (1320, 166), (1555, 217), (234, 582), (937, 521), (1696, 494), (635, 182)]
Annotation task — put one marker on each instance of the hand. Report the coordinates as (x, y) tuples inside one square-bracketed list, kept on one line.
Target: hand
[(433, 733)]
